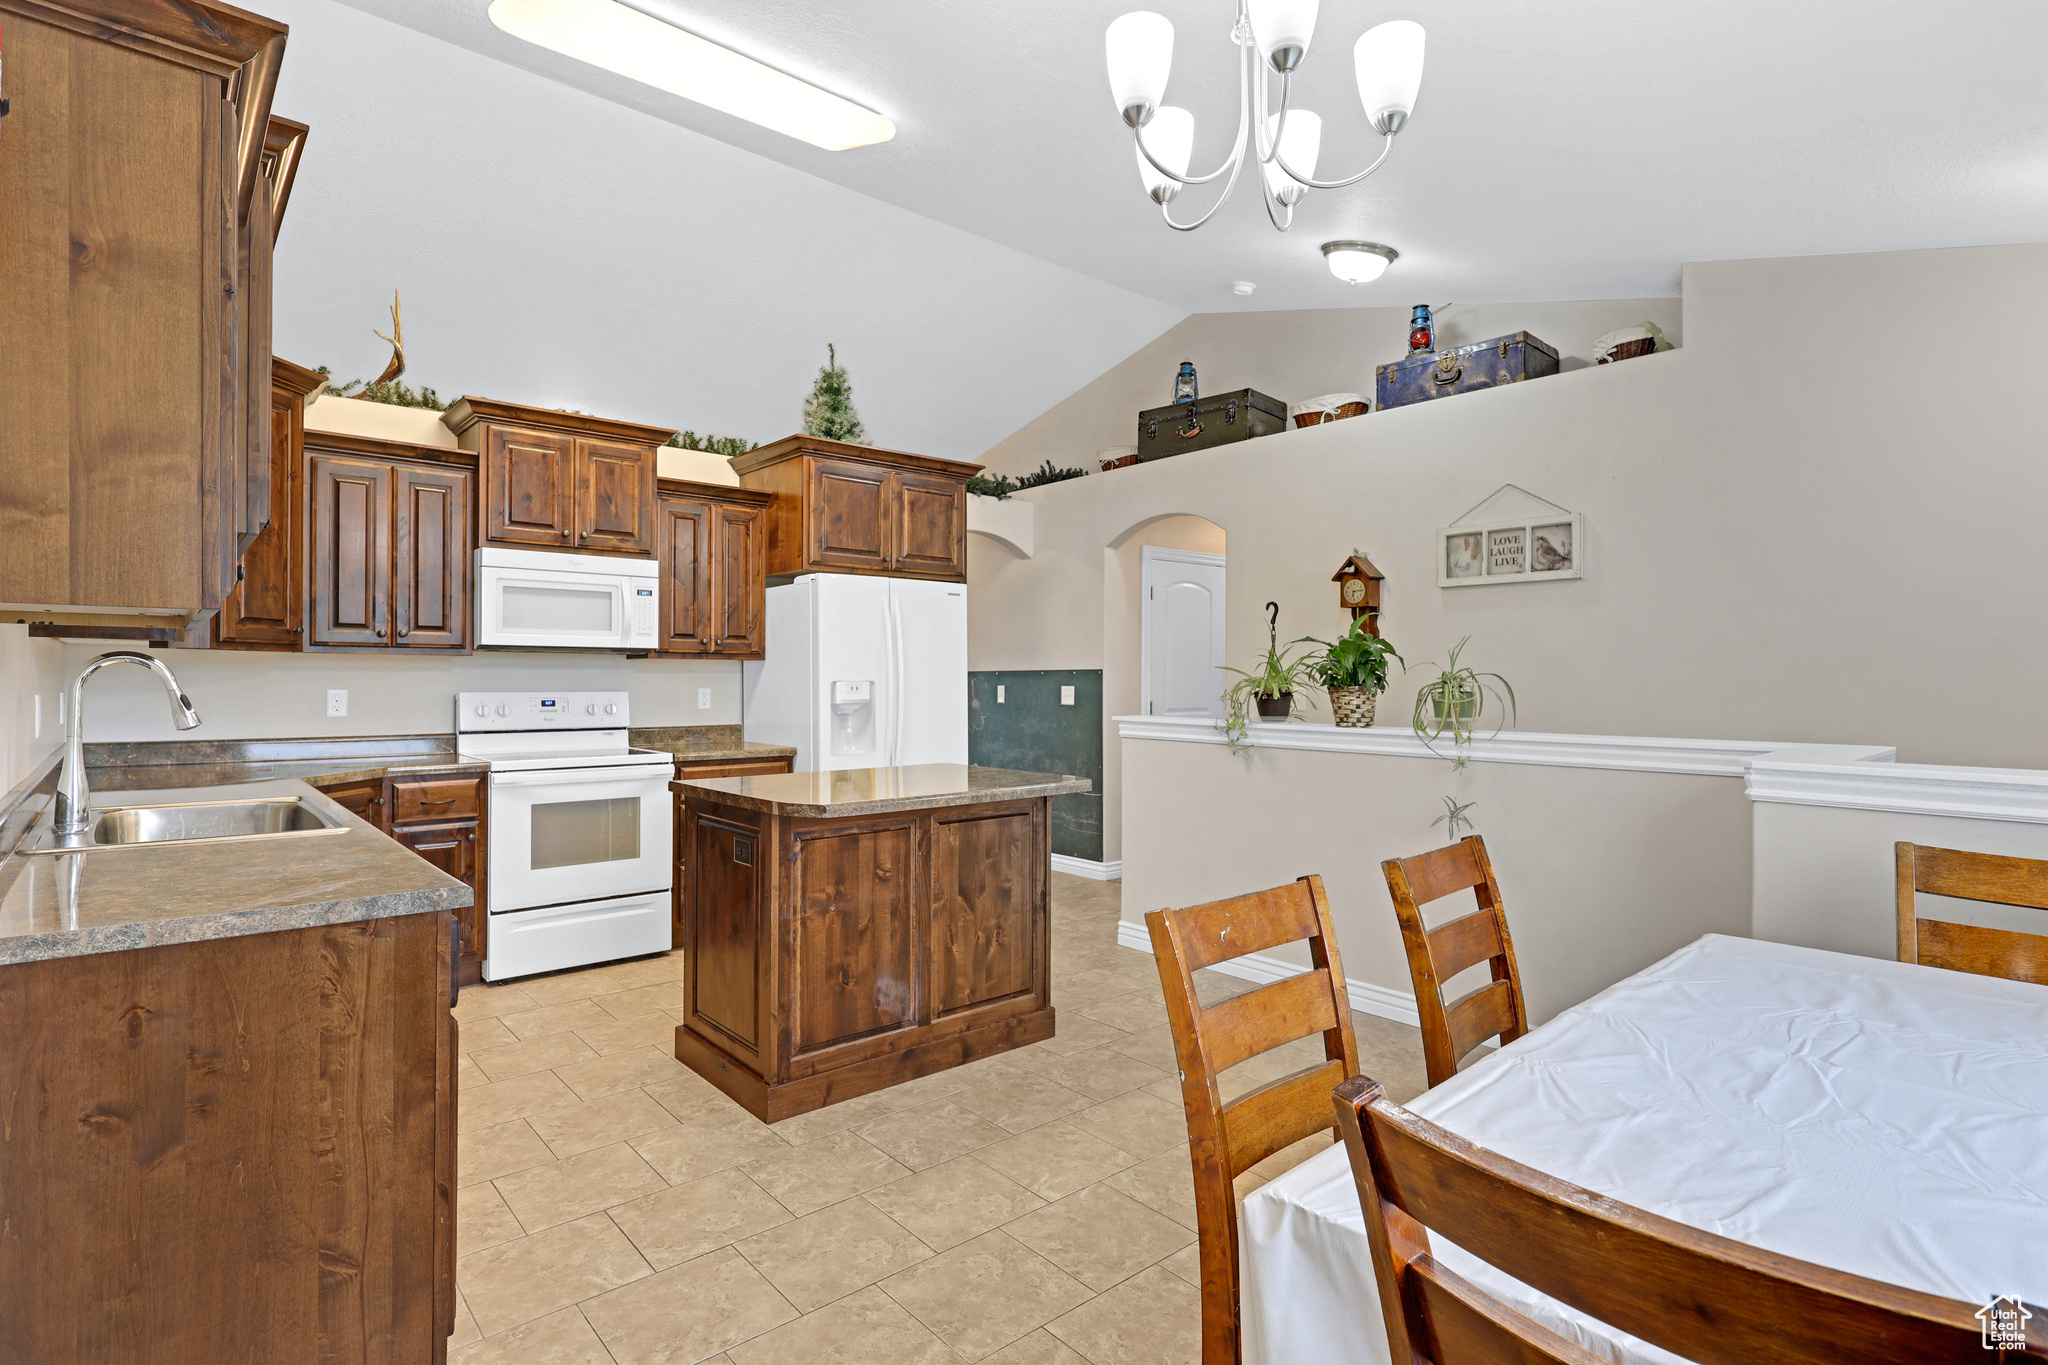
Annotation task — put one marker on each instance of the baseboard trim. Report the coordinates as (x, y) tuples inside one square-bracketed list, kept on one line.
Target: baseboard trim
[(1082, 867), (1380, 1001)]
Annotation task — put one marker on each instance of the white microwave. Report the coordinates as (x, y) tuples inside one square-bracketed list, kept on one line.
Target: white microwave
[(543, 599)]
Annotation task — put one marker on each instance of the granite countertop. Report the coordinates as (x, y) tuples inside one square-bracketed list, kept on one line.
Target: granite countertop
[(145, 896), (209, 763), (880, 791), (704, 743)]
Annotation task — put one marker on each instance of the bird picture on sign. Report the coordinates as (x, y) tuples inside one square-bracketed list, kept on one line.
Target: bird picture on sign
[(1543, 542)]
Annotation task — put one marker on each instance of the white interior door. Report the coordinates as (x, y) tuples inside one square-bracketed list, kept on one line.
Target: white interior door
[(1182, 650)]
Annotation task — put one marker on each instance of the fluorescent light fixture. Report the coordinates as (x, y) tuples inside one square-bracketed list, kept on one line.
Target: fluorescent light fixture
[(611, 35)]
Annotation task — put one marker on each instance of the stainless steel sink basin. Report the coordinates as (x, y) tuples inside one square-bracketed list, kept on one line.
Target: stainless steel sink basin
[(188, 822)]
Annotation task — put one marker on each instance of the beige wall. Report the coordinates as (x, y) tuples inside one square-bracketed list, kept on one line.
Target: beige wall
[(1809, 523), (31, 675), (1602, 873)]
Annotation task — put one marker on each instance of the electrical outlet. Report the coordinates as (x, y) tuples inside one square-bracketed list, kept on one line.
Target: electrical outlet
[(703, 699), (1066, 696), (1000, 690), (337, 701)]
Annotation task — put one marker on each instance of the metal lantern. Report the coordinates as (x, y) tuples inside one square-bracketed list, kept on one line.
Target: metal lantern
[(1184, 388)]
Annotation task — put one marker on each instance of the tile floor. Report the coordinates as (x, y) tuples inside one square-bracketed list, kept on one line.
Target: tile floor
[(1030, 1209)]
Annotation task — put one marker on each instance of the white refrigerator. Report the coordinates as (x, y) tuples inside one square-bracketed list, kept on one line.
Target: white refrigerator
[(862, 672)]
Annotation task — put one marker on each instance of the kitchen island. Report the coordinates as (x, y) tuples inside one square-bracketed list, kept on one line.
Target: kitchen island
[(848, 931)]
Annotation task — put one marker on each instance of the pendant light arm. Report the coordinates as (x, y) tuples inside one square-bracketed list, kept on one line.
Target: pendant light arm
[(1236, 162), (1230, 164), (1298, 178)]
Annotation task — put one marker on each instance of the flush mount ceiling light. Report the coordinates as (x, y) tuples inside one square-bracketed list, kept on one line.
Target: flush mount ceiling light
[(1358, 262), (1274, 36), (608, 34)]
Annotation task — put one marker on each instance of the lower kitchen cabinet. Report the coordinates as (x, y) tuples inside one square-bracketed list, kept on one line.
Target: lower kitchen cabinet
[(444, 818), (688, 770)]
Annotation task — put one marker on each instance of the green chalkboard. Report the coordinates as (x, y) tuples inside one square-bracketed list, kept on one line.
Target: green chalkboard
[(1030, 729)]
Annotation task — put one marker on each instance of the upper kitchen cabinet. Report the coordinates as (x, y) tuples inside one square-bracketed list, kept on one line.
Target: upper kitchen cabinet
[(712, 543), (265, 609), (853, 509), (387, 544), (133, 156), (559, 480)]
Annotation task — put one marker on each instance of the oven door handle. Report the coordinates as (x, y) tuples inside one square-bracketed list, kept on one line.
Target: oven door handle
[(556, 777)]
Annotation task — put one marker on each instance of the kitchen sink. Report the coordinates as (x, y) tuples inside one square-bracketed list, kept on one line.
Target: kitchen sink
[(191, 822)]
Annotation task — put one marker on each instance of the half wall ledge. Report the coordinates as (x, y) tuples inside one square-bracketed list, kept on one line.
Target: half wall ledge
[(1005, 519)]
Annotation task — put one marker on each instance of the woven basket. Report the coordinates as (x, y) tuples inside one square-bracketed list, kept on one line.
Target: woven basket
[(1352, 705)]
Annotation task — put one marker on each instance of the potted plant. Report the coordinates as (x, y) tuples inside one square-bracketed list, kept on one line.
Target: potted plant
[(1454, 698), (1271, 685), (1353, 669)]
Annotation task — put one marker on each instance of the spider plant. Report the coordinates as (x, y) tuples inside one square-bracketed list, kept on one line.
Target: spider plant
[(1278, 674), (1453, 699), (1454, 816)]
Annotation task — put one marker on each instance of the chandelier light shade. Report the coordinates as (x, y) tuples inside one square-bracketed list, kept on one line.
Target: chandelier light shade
[(1272, 38), (1283, 28), (1358, 262), (1140, 49), (1389, 61)]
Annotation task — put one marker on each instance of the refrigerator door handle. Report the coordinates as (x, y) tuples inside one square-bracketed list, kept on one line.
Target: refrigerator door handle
[(896, 667)]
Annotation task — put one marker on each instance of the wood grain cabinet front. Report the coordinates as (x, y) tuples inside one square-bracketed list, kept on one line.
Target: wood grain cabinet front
[(266, 609), (350, 549), (388, 541), (854, 509), (446, 820), (560, 480), (711, 541)]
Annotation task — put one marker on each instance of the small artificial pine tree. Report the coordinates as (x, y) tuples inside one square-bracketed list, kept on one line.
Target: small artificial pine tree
[(828, 412)]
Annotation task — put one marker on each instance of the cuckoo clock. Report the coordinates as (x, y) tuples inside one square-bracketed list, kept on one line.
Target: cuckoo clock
[(1358, 586)]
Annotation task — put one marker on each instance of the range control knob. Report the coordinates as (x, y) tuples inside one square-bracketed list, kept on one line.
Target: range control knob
[(503, 709), (591, 708), (611, 708), (482, 709)]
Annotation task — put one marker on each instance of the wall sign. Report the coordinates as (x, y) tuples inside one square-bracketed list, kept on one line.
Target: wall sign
[(1526, 549)]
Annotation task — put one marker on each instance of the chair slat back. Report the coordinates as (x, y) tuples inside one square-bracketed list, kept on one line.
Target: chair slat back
[(1988, 877), (1224, 1140), (1708, 1298), (1436, 955)]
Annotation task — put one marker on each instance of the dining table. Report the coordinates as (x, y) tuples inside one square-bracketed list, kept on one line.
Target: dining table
[(1882, 1118)]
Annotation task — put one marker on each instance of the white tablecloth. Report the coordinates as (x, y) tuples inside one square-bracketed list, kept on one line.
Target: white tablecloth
[(1876, 1117)]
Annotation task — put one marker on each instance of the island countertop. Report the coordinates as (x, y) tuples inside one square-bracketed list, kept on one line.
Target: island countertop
[(879, 791), (114, 899)]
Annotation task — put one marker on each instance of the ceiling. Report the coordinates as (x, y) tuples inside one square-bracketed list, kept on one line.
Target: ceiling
[(1558, 151)]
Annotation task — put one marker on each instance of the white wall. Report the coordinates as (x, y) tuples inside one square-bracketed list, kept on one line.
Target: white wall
[(30, 678), (558, 249)]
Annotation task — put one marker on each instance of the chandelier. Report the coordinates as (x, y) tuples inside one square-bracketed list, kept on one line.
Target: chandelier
[(1274, 38)]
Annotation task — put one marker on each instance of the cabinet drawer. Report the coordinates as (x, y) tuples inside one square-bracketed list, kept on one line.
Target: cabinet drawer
[(453, 799), (752, 767)]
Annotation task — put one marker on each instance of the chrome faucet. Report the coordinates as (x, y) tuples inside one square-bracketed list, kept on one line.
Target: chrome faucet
[(73, 807)]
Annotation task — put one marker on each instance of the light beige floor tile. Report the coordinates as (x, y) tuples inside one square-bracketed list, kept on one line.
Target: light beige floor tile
[(621, 1071), (487, 1153), (479, 1034), (1127, 1013), (1055, 1159), (707, 1141), (468, 1073), (1100, 1073), (953, 1202), (643, 1000), (1076, 1032), (1153, 1047), (685, 1314), (828, 1254), (533, 1276), (925, 1137), (1166, 1088), (833, 1168), (564, 1191), (675, 1225), (1083, 989), (1020, 1102), (1287, 1158), (984, 1294), (656, 1029), (1187, 1263), (925, 1089), (486, 1106), (835, 1118), (688, 1093), (1153, 1318), (1211, 986), (648, 971), (865, 1327), (482, 1219), (562, 1338), (486, 1002), (588, 1125), (1141, 1124), (560, 990), (465, 1328), (1099, 1236), (1164, 1183), (536, 1023), (523, 1059), (1039, 1348)]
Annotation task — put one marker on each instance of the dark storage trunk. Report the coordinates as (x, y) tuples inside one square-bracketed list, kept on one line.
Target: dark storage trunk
[(1503, 360), (1217, 420)]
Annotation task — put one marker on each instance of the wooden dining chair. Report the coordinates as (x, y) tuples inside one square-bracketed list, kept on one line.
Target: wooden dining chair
[(1706, 1298), (1225, 1140), (1436, 955), (1975, 877)]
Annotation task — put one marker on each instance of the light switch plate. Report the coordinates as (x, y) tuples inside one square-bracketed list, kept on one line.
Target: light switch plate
[(1066, 695), (337, 701), (1000, 690), (703, 699)]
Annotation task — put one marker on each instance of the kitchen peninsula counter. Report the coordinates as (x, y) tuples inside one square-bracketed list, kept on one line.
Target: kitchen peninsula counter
[(848, 931)]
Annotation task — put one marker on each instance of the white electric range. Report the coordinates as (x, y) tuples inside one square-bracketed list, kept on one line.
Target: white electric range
[(580, 830)]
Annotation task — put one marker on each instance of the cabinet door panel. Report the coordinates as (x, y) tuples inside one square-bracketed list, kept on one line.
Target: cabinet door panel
[(726, 948), (527, 481), (855, 968), (615, 490), (849, 516), (351, 550), (987, 903), (739, 581), (431, 532), (453, 849), (254, 300), (931, 526), (364, 800), (683, 538), (265, 607)]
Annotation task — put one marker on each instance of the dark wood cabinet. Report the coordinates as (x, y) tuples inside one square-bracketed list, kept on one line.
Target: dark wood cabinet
[(854, 509), (445, 819), (711, 541), (431, 578), (266, 609), (364, 800), (701, 769), (387, 545), (559, 480), (349, 549)]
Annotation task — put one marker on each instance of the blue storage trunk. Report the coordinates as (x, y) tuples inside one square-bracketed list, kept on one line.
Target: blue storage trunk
[(1503, 360)]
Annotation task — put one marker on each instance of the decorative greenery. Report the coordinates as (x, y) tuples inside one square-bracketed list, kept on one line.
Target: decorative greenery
[(1049, 473), (1454, 816), (1453, 699), (389, 391), (727, 446), (1279, 671), (828, 412), (1001, 486), (1354, 659)]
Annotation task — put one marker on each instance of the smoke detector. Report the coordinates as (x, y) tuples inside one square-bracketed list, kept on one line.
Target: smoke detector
[(1242, 288)]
